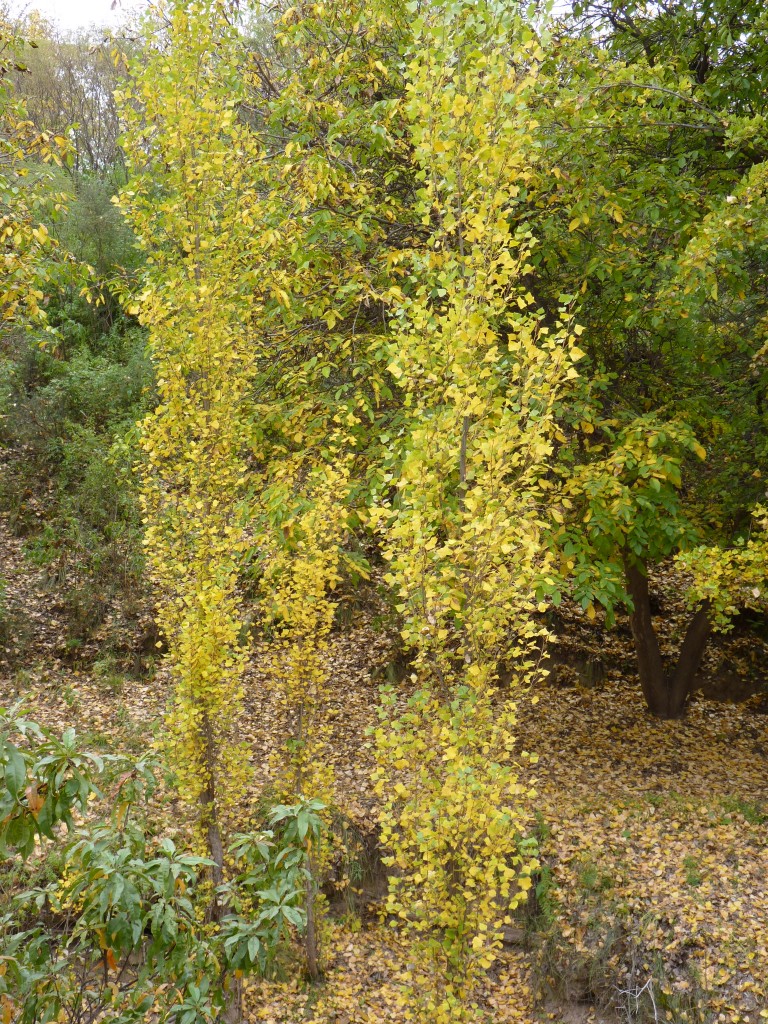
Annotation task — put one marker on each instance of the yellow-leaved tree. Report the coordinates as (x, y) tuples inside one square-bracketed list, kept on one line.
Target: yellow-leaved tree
[(321, 363), (481, 375), (323, 386), (283, 278), (193, 202), (727, 580), (301, 573), (28, 196)]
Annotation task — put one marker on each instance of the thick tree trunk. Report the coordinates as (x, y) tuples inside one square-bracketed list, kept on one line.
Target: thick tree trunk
[(649, 661), (666, 694)]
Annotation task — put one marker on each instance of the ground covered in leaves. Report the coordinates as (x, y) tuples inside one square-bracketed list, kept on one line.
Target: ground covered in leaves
[(652, 904)]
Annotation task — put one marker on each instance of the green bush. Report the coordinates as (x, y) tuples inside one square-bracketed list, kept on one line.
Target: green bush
[(69, 401), (68, 486), (125, 904)]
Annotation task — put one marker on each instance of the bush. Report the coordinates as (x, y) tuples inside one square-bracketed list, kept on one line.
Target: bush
[(69, 401), (69, 427), (122, 930)]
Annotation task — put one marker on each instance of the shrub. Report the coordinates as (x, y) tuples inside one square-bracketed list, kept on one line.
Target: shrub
[(123, 928)]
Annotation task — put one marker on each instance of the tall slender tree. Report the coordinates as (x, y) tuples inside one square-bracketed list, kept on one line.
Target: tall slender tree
[(481, 374), (192, 202)]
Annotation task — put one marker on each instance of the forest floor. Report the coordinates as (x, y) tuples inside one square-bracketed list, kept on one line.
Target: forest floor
[(653, 902)]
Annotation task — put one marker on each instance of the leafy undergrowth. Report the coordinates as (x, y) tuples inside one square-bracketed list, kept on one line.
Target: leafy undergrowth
[(652, 905)]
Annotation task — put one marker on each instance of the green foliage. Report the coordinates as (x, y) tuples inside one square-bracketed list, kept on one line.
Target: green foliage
[(620, 502), (68, 485), (731, 578), (70, 391), (367, 233), (28, 202), (656, 223), (43, 784), (267, 894), (121, 929)]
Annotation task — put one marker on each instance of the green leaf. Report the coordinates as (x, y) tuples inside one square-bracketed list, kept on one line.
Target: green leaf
[(15, 772)]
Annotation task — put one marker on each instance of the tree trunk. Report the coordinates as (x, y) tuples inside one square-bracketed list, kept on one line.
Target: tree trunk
[(232, 1012), (666, 694), (310, 942), (209, 810), (649, 661), (691, 653)]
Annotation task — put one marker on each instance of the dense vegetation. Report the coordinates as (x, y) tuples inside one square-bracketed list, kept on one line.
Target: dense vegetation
[(446, 319)]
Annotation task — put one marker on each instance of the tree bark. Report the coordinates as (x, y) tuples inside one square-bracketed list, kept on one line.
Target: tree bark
[(232, 1011), (310, 942), (690, 655), (649, 661), (463, 462), (209, 811), (666, 694)]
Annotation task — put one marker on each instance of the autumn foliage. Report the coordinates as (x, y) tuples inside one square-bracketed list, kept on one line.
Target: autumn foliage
[(418, 355)]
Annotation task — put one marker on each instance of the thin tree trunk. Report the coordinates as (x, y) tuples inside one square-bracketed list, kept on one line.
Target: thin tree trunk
[(311, 935), (233, 1005), (665, 694), (463, 461), (690, 656), (209, 813), (232, 1012)]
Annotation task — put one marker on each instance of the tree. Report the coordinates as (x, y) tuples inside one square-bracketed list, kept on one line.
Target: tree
[(68, 84), (197, 299), (481, 374), (655, 223), (626, 492), (26, 202), (323, 395)]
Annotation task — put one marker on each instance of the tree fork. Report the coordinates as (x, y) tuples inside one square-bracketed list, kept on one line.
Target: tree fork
[(666, 694)]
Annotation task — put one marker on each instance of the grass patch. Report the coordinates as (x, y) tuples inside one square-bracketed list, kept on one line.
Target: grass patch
[(750, 810)]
